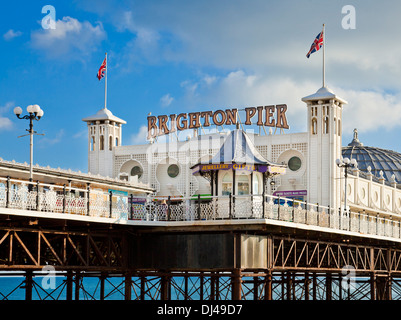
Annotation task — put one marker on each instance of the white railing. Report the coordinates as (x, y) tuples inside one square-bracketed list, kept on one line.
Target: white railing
[(23, 195)]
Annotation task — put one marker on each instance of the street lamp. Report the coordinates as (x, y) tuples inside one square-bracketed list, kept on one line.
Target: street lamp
[(35, 113), (346, 163)]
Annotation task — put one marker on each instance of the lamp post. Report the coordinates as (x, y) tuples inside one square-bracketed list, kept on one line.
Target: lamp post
[(34, 113), (346, 163)]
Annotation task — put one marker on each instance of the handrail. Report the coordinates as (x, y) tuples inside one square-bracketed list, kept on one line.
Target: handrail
[(63, 200)]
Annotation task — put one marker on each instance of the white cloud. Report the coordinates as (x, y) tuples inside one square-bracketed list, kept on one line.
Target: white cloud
[(47, 141), (263, 35), (5, 122), (366, 110), (209, 80), (11, 34), (140, 137), (80, 134), (239, 89), (166, 100), (70, 38), (370, 110), (261, 46)]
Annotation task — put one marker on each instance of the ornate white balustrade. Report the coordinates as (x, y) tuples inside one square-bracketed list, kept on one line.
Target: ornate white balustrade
[(365, 190), (21, 195)]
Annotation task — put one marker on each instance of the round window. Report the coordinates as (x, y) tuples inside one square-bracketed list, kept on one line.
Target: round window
[(137, 171), (294, 163), (173, 171)]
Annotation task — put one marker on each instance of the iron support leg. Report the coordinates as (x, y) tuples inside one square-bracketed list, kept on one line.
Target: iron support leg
[(127, 287), (236, 284), (268, 287), (28, 285)]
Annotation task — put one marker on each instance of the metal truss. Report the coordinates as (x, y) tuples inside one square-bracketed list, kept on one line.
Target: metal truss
[(25, 248), (307, 255), (208, 287), (94, 265)]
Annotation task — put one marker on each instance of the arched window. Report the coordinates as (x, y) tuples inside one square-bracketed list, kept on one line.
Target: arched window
[(227, 184), (326, 125), (242, 184), (116, 141), (339, 127), (93, 144), (256, 184), (101, 142), (335, 126), (314, 126), (110, 143)]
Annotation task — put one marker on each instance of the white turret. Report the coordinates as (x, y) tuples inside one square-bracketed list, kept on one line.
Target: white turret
[(324, 128), (104, 133)]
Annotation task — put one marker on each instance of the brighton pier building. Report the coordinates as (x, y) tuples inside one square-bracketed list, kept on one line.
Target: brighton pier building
[(309, 167), (219, 214)]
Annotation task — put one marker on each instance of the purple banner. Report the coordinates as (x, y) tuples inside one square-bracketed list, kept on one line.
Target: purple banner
[(246, 167), (292, 193)]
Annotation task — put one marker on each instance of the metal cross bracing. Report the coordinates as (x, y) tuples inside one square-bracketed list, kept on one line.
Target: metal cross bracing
[(93, 263), (309, 255), (207, 287), (28, 248)]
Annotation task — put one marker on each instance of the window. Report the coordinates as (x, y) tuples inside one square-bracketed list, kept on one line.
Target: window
[(101, 143), (335, 126), (93, 144), (116, 142), (173, 170), (255, 188), (227, 184), (242, 184), (326, 125), (314, 126), (110, 143), (294, 163), (137, 171)]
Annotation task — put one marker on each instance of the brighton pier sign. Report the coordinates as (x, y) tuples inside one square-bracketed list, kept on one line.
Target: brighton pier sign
[(269, 116)]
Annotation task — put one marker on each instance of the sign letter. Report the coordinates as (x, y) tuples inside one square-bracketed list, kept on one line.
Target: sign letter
[(281, 118), (152, 126), (250, 112)]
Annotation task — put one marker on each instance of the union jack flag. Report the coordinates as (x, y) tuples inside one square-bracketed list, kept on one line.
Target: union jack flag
[(102, 69), (316, 45)]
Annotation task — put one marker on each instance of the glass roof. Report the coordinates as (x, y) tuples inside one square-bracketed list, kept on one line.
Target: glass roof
[(378, 159)]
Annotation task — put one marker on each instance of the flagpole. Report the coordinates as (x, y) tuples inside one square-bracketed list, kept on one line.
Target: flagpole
[(324, 66), (105, 86)]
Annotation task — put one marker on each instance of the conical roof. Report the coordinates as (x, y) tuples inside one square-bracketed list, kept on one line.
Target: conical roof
[(104, 114), (323, 93), (238, 148)]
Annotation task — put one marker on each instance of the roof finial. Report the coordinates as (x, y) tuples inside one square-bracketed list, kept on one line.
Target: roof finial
[(355, 141)]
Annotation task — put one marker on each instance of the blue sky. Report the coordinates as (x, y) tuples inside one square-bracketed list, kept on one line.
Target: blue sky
[(180, 56)]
